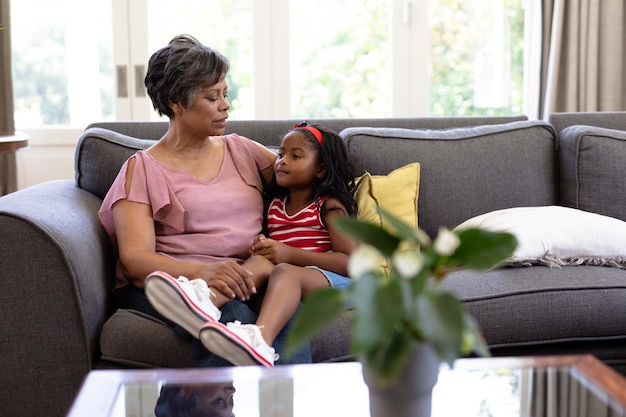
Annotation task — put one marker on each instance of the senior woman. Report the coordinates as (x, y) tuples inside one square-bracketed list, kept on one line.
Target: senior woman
[(191, 204)]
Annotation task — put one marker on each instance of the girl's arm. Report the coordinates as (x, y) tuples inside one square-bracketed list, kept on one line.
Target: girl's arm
[(336, 261)]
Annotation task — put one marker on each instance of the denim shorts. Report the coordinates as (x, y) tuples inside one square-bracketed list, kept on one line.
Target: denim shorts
[(335, 280)]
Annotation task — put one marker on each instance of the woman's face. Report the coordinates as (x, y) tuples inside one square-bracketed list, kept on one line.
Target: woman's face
[(208, 111), (216, 398)]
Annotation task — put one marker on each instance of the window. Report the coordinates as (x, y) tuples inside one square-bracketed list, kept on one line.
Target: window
[(340, 62), (224, 25), (62, 65), (476, 57), (289, 58)]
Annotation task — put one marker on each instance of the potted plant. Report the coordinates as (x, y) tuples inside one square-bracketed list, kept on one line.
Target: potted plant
[(397, 306)]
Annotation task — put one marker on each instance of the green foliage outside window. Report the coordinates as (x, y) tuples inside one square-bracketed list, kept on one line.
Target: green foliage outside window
[(456, 33), (348, 73), (341, 68)]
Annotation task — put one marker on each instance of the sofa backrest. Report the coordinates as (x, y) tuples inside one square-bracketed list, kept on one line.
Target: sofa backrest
[(465, 172), (105, 146), (606, 119), (270, 132), (592, 161)]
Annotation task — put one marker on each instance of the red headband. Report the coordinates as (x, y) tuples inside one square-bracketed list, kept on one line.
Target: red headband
[(316, 132)]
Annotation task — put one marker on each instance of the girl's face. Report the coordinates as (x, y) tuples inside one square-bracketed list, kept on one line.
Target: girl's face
[(208, 111), (297, 165)]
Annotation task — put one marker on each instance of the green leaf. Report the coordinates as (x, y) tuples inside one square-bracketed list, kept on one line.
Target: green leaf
[(441, 318), (319, 310), (380, 337), (403, 230), (419, 282), (368, 233), (473, 340), (481, 249), (389, 357), (368, 296), (407, 289)]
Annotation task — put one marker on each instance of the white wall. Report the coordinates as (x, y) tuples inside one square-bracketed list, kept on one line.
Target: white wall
[(49, 156)]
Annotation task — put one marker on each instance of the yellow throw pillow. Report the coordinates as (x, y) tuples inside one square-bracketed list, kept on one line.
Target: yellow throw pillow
[(396, 192)]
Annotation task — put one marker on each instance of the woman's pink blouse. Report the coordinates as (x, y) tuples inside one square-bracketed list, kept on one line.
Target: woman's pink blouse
[(197, 220)]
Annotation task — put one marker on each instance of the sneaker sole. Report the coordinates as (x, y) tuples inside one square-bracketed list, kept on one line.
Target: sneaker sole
[(217, 339), (169, 299)]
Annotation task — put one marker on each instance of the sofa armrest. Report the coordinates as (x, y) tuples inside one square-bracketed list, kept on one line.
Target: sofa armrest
[(57, 269)]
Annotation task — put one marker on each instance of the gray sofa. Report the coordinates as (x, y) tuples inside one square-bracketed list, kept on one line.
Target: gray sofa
[(57, 263)]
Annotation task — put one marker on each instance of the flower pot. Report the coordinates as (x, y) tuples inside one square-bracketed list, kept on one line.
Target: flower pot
[(411, 394)]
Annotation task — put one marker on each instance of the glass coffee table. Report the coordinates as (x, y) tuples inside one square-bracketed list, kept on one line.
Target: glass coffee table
[(550, 386)]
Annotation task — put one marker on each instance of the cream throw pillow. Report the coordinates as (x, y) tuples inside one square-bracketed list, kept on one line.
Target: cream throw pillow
[(396, 192), (557, 236)]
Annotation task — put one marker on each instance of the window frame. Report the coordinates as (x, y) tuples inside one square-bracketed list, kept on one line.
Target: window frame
[(271, 64)]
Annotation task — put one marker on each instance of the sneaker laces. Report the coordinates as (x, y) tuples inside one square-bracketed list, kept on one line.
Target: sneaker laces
[(201, 289), (254, 334), (204, 294)]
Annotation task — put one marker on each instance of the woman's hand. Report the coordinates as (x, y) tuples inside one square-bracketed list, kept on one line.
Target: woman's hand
[(229, 278)]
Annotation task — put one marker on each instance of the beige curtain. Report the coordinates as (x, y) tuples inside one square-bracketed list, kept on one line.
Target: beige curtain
[(7, 126), (8, 180), (583, 56)]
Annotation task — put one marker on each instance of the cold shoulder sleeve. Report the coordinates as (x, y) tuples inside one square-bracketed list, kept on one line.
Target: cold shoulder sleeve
[(148, 186)]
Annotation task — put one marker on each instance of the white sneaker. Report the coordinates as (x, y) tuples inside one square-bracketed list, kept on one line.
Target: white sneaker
[(240, 344), (187, 303)]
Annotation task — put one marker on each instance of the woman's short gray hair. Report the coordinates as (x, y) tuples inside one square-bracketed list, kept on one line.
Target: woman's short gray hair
[(179, 70)]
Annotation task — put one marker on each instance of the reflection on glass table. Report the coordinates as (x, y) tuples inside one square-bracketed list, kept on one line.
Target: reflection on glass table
[(553, 386), (210, 399)]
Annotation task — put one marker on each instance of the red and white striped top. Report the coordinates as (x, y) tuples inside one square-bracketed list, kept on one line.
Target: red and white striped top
[(303, 230)]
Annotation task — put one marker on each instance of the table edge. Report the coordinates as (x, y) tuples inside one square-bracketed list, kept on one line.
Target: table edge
[(10, 143)]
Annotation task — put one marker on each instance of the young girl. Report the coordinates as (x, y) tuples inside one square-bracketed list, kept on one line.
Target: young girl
[(314, 182)]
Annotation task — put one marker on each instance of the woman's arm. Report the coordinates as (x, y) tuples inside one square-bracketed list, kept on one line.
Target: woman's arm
[(267, 173)]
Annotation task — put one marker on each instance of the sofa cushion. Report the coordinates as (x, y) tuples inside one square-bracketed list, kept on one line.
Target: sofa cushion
[(465, 172), (397, 193), (137, 340), (592, 164), (558, 236), (540, 310), (134, 339)]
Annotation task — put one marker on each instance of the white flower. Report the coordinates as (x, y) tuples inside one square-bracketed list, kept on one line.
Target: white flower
[(364, 259), (446, 242), (408, 263)]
